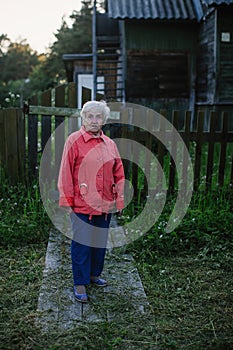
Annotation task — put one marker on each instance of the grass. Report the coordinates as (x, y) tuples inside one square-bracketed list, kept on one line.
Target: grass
[(192, 309), (23, 217), (187, 276)]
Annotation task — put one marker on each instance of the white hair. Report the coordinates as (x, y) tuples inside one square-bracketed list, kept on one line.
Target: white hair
[(97, 106)]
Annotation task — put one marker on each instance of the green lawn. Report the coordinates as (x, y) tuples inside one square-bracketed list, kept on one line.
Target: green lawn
[(187, 276)]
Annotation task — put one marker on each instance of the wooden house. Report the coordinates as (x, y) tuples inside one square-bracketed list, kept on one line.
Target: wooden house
[(214, 76), (174, 54)]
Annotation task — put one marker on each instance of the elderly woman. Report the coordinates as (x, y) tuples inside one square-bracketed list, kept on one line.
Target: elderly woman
[(91, 184)]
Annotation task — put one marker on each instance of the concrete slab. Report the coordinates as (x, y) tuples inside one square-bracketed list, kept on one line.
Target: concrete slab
[(57, 306)]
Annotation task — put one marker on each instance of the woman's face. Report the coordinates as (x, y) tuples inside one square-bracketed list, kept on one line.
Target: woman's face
[(93, 121)]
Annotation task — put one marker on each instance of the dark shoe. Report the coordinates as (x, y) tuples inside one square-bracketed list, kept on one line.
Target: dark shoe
[(82, 298), (99, 282)]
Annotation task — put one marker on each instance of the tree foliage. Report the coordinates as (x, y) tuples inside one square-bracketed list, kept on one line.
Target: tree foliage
[(18, 62), (23, 71), (74, 39), (78, 38)]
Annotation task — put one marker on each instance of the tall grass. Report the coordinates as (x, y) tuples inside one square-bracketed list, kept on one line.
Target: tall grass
[(23, 217), (207, 225), (187, 275)]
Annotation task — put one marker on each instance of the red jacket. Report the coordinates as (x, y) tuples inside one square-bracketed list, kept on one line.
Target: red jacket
[(91, 178)]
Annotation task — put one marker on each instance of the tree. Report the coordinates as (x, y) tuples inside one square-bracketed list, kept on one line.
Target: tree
[(4, 43), (78, 38), (17, 61), (74, 39)]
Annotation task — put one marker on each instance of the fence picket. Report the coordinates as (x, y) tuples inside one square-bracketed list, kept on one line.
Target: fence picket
[(175, 121), (14, 144), (59, 128), (198, 152), (186, 139), (231, 179), (45, 120), (153, 177), (222, 161), (72, 103), (148, 144), (32, 149), (210, 159), (21, 143), (161, 150)]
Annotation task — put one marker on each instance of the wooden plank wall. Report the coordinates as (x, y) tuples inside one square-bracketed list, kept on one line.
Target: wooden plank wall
[(165, 73), (225, 54), (206, 61)]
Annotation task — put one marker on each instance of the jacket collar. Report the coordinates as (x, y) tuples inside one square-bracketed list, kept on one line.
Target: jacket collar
[(88, 136)]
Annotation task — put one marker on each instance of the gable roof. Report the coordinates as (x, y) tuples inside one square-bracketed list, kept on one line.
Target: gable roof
[(218, 2), (156, 9)]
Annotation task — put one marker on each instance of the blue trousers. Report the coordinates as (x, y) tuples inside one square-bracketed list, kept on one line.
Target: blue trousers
[(88, 246)]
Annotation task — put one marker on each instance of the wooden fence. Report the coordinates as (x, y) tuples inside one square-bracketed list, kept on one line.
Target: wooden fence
[(26, 137), (12, 143)]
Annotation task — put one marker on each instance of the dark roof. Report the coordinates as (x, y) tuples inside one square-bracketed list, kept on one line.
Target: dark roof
[(156, 9), (76, 56), (218, 2)]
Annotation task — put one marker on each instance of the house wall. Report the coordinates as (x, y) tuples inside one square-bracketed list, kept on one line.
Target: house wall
[(82, 67), (215, 65), (224, 91), (206, 60), (160, 62), (148, 34)]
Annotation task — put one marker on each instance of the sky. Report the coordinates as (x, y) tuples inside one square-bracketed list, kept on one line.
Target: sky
[(35, 20)]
